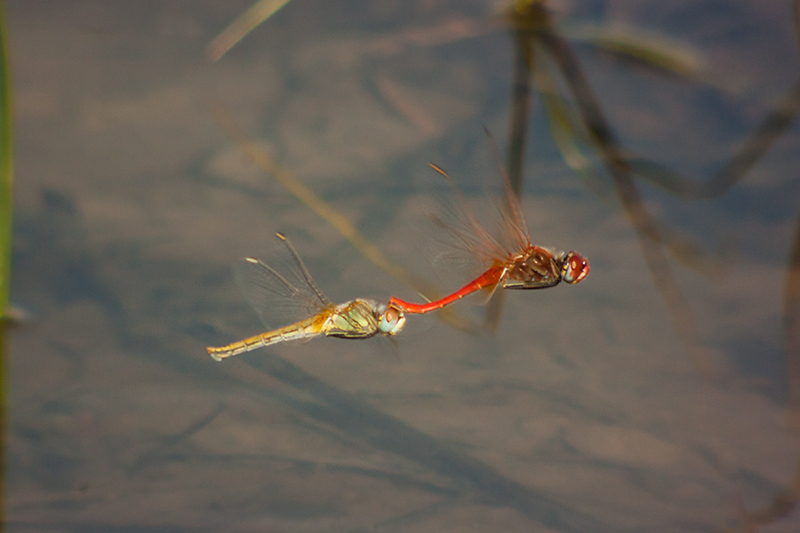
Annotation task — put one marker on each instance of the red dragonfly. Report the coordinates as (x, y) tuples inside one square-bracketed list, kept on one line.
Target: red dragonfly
[(514, 262)]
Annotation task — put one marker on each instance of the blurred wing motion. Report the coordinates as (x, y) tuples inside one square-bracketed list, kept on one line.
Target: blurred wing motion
[(515, 263), (266, 289)]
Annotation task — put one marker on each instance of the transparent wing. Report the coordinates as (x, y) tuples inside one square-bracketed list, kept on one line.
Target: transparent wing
[(468, 233), (473, 242), (514, 228), (282, 294)]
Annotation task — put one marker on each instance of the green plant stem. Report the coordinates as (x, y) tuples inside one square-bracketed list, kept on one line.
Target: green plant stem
[(6, 165)]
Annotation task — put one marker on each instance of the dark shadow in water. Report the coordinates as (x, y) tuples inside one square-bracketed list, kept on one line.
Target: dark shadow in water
[(791, 325), (359, 420), (785, 501), (736, 168), (470, 480), (534, 30), (167, 443)]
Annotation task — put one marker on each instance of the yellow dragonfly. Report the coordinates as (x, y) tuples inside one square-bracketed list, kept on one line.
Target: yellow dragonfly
[(269, 292)]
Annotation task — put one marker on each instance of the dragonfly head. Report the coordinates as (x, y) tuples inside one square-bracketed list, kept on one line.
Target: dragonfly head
[(392, 320), (574, 267)]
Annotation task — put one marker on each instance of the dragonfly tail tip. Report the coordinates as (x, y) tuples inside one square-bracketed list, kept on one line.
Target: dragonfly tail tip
[(213, 353)]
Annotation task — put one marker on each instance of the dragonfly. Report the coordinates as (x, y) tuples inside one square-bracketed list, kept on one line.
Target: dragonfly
[(514, 263), (269, 291)]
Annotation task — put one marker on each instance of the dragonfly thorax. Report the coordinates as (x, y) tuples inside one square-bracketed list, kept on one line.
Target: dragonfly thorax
[(361, 319), (355, 319), (536, 268)]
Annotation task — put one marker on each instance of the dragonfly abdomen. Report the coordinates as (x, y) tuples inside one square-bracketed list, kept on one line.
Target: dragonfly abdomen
[(305, 329)]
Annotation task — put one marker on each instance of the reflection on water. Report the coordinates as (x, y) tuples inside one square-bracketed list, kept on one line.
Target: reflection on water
[(583, 413)]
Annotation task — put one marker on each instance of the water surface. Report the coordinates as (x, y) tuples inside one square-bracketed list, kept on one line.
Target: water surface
[(587, 411)]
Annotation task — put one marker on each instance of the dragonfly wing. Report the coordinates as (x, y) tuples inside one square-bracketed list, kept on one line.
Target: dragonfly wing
[(486, 293), (301, 273), (512, 225), (276, 298), (281, 293)]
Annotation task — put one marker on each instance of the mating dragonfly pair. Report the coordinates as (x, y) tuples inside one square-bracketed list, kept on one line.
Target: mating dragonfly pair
[(513, 263)]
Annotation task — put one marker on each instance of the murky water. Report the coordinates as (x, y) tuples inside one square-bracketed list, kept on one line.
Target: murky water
[(591, 409)]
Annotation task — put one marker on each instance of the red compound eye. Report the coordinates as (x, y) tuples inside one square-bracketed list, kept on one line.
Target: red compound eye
[(576, 267)]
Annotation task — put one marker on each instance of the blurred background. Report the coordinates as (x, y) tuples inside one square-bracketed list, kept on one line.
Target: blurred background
[(656, 138)]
